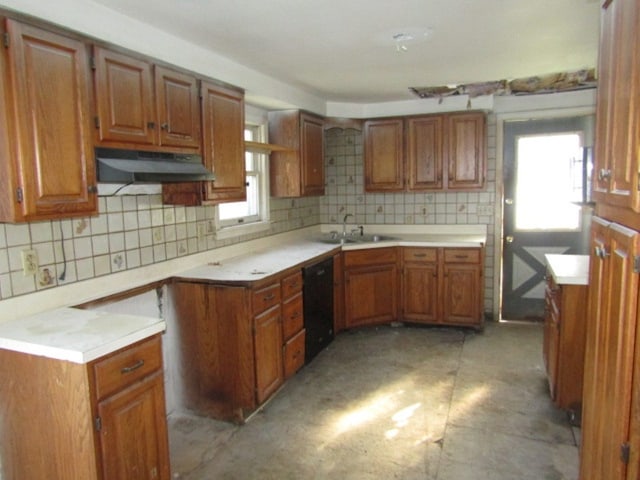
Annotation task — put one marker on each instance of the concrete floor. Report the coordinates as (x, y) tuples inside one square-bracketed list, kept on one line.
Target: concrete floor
[(405, 403)]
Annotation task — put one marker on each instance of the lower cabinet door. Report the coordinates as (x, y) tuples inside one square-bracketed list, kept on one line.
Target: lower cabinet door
[(268, 353), (133, 432), (461, 292), (370, 295), (294, 354)]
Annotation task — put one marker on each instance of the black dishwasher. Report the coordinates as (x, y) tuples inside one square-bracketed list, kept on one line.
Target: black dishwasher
[(318, 307)]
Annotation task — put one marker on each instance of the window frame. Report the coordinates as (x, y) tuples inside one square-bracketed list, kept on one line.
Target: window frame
[(231, 227)]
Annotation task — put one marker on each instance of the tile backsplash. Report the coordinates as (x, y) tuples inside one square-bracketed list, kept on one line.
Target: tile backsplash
[(131, 231)]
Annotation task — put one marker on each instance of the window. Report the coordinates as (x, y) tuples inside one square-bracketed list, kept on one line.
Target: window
[(253, 214), (549, 182)]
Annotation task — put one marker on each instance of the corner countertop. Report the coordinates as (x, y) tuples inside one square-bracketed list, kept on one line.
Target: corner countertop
[(569, 269), (75, 335), (253, 266)]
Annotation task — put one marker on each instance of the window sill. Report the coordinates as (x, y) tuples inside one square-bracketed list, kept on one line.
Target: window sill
[(238, 230)]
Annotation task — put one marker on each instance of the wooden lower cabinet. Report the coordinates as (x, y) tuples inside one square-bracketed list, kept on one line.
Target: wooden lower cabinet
[(563, 345), (237, 343), (268, 353), (338, 293), (98, 421), (442, 285), (132, 421), (420, 285), (610, 445), (294, 354), (371, 286), (293, 332)]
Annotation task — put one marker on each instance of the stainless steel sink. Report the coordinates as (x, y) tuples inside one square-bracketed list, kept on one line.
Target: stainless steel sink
[(372, 237), (366, 238), (337, 240)]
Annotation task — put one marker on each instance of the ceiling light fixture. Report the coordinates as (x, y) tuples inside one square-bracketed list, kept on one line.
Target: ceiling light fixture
[(401, 40)]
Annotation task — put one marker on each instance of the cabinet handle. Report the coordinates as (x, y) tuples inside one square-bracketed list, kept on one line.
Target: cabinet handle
[(133, 367), (295, 315), (419, 255), (271, 296), (164, 126), (151, 125), (460, 257), (92, 189)]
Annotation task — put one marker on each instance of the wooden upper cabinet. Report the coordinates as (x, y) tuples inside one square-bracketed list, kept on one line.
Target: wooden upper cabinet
[(425, 153), (124, 99), (49, 170), (178, 108), (383, 155), (428, 152), (142, 105), (312, 150), (466, 151), (615, 179), (223, 143), (299, 170), (222, 149)]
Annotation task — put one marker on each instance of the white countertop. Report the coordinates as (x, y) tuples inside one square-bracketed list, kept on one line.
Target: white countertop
[(254, 266), (569, 269), (78, 336)]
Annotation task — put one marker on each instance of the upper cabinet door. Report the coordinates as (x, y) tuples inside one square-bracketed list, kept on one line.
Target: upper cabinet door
[(312, 151), (424, 153), (49, 85), (383, 155), (617, 113), (466, 151), (124, 99), (178, 108), (223, 135), (297, 171)]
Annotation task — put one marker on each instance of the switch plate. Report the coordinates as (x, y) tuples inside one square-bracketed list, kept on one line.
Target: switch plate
[(29, 262)]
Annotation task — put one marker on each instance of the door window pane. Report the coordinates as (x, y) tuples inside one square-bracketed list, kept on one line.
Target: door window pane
[(549, 180)]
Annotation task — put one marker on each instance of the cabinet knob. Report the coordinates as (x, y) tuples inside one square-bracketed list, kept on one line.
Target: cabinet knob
[(604, 174), (92, 189), (508, 239), (164, 126), (151, 125)]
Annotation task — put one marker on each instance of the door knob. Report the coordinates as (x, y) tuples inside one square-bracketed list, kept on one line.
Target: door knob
[(509, 238)]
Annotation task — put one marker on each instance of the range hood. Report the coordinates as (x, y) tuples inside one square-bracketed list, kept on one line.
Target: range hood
[(132, 166)]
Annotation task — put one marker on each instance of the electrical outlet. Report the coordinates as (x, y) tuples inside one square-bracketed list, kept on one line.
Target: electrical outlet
[(29, 262)]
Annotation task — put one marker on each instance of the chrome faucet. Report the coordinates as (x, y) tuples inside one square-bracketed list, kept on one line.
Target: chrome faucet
[(344, 224)]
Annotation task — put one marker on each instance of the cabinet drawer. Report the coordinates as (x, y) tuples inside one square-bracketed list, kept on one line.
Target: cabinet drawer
[(265, 298), (294, 354), (291, 284), (373, 256), (127, 366), (292, 317), (415, 254), (462, 255)]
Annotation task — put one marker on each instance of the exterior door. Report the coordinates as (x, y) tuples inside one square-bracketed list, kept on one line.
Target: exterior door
[(544, 177)]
